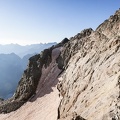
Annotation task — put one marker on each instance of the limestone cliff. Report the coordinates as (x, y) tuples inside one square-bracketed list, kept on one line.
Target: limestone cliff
[(88, 69)]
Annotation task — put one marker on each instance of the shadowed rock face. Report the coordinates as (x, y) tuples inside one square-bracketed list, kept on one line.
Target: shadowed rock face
[(28, 83), (89, 75)]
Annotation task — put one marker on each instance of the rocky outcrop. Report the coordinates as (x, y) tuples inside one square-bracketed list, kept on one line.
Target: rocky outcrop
[(28, 83), (88, 69), (111, 26), (89, 86), (72, 47)]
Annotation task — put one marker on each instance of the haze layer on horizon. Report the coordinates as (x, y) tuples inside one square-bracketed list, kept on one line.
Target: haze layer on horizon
[(42, 21)]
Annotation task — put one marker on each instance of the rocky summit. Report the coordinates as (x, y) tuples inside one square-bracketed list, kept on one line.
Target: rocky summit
[(77, 79)]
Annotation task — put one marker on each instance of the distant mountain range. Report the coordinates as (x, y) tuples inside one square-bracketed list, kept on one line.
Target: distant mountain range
[(21, 51), (11, 70), (13, 62)]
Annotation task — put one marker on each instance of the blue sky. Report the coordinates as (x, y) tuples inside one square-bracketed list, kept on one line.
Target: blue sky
[(36, 21)]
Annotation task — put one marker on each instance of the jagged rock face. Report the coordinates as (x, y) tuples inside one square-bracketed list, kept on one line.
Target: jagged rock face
[(90, 84), (111, 26), (72, 47), (29, 81)]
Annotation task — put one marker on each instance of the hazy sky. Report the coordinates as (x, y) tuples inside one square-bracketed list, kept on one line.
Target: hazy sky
[(35, 21)]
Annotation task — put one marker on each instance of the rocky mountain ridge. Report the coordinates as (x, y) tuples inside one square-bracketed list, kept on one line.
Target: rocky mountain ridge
[(88, 68)]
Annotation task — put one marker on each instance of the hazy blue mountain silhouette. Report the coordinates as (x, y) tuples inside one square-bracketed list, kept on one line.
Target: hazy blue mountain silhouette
[(24, 50), (11, 70)]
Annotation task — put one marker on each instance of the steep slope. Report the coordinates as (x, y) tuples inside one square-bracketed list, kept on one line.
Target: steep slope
[(37, 85), (44, 103), (90, 84), (86, 71)]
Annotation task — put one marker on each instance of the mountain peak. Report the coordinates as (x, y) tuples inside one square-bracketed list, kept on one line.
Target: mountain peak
[(110, 27), (117, 12)]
